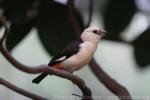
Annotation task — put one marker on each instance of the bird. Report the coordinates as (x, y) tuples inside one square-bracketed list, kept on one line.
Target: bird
[(77, 54)]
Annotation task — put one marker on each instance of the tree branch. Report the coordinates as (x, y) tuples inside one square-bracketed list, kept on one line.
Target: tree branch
[(46, 69), (109, 83), (20, 91), (42, 68)]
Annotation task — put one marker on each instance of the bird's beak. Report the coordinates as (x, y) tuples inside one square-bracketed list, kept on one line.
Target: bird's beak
[(101, 32)]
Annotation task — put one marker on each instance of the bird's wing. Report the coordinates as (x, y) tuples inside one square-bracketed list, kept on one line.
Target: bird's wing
[(70, 50)]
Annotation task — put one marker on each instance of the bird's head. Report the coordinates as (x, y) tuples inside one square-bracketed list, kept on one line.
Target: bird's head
[(92, 34)]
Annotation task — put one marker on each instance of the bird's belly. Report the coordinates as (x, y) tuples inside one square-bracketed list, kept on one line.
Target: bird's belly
[(77, 61)]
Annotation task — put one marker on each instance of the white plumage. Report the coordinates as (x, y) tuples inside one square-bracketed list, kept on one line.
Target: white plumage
[(86, 52)]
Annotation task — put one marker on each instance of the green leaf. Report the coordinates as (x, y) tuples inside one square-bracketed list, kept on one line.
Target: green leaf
[(142, 49), (54, 27), (17, 33), (117, 16)]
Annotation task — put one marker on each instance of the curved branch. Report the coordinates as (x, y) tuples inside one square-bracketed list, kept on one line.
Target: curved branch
[(20, 91), (109, 83), (46, 69)]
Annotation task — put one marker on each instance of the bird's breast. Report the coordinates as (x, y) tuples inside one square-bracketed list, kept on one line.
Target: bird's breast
[(80, 59)]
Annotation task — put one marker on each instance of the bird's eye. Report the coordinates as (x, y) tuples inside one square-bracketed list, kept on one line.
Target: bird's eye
[(95, 31)]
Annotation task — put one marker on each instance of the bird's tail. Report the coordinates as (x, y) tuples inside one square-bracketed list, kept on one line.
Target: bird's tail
[(39, 78)]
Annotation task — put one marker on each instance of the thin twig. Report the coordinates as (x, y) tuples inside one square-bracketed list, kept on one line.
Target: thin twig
[(110, 84), (20, 90), (46, 69)]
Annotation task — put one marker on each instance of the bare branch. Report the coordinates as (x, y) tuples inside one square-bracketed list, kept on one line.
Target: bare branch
[(46, 69), (20, 91), (109, 83)]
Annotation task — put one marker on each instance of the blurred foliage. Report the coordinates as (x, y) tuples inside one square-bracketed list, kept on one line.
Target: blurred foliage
[(142, 48), (55, 30), (117, 16), (50, 18), (17, 33)]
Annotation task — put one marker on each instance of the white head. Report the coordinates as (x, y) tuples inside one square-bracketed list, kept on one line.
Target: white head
[(92, 34)]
